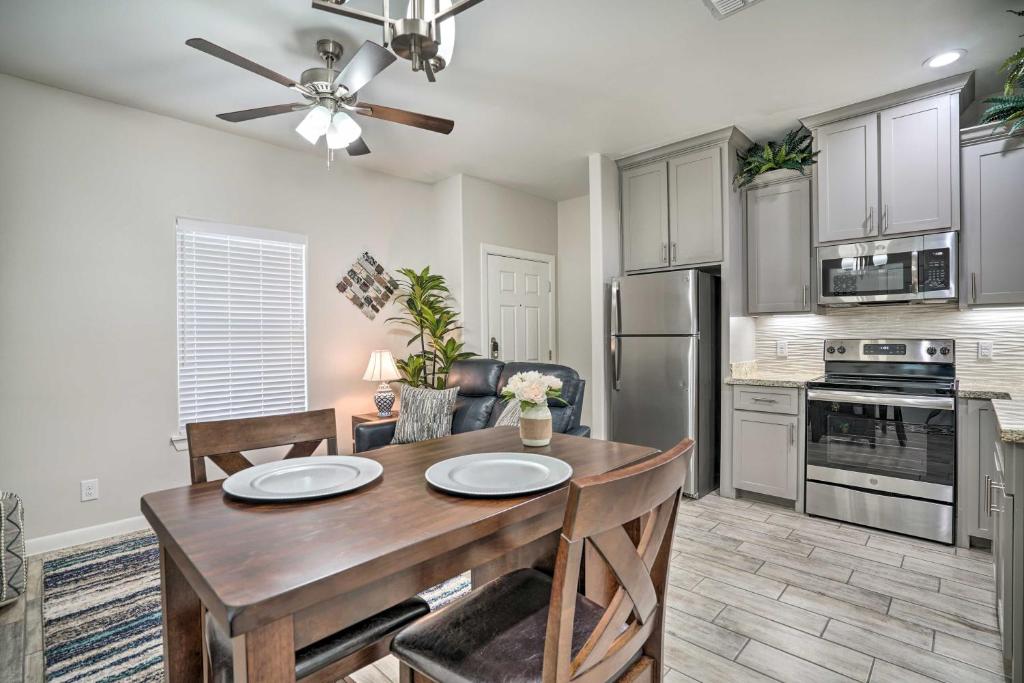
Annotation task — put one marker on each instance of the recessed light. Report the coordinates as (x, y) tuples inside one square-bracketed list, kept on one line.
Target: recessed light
[(944, 59)]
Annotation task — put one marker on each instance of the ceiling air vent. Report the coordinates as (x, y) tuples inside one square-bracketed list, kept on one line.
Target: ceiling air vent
[(721, 9)]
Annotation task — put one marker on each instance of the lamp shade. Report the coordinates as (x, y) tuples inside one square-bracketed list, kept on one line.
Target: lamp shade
[(381, 367)]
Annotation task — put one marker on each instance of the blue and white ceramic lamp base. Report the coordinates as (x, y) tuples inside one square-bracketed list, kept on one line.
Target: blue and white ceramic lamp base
[(384, 399)]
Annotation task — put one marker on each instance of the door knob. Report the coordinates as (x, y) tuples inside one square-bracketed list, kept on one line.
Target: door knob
[(494, 349)]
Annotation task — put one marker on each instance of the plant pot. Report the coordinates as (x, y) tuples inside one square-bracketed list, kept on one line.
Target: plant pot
[(535, 426)]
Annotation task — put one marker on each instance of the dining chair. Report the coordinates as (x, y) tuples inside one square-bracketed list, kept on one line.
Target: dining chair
[(337, 655), (223, 441), (527, 626)]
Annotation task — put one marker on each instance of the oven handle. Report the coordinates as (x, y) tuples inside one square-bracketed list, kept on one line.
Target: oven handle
[(938, 402)]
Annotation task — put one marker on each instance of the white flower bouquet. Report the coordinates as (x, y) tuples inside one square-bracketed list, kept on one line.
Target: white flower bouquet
[(532, 389)]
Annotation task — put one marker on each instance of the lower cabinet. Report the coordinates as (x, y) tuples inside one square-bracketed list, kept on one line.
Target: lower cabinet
[(978, 436), (1008, 556), (765, 453)]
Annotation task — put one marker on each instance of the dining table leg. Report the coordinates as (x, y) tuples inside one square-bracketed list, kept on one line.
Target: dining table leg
[(266, 654), (183, 618)]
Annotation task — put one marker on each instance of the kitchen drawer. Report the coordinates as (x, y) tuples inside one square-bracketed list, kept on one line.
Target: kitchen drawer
[(766, 399)]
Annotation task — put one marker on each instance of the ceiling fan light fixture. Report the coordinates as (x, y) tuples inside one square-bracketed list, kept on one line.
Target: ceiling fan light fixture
[(342, 131), (315, 124)]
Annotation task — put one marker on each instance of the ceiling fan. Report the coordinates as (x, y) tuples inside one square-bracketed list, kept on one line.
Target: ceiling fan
[(330, 95)]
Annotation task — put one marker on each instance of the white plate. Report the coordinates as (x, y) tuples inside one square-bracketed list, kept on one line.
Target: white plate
[(498, 474), (316, 476)]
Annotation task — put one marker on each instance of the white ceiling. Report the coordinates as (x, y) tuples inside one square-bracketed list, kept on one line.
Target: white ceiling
[(535, 85)]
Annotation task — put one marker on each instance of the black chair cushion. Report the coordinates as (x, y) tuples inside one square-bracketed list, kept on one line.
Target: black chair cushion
[(322, 653), (478, 377), (494, 634), (471, 412)]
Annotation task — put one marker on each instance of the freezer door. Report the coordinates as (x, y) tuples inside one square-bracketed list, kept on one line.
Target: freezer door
[(655, 303), (654, 403)]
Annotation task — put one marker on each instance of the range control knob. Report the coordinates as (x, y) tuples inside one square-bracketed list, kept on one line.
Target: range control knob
[(945, 350), (831, 349), (841, 349), (932, 350)]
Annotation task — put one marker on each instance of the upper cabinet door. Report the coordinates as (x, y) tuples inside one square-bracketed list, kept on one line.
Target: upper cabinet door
[(778, 247), (645, 217), (916, 180), (848, 179), (993, 204), (695, 207)]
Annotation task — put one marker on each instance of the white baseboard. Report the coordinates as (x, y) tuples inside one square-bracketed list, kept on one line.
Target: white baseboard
[(66, 539)]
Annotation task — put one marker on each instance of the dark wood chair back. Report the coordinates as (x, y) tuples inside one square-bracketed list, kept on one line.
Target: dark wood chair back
[(602, 511), (224, 440)]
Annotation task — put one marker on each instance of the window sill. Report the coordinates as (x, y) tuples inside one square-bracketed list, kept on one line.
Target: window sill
[(180, 442)]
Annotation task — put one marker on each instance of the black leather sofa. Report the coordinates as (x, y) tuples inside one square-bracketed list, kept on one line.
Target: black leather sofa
[(479, 404)]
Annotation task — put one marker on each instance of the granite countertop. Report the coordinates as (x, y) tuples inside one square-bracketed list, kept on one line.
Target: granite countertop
[(1010, 416), (969, 388), (796, 379)]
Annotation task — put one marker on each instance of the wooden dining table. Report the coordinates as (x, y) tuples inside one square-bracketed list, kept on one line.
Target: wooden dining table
[(279, 576)]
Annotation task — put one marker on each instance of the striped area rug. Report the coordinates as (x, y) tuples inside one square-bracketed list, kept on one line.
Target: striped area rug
[(101, 610)]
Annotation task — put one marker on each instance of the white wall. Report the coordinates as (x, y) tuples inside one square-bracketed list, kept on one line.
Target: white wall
[(493, 214), (573, 292), (88, 196)]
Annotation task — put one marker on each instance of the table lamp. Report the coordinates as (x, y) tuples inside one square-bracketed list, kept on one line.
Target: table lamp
[(381, 368)]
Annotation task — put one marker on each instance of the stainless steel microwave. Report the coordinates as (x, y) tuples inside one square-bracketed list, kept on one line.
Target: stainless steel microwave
[(907, 269)]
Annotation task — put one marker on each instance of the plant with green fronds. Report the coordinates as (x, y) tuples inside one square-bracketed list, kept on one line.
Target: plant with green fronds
[(1009, 107), (427, 312), (794, 152)]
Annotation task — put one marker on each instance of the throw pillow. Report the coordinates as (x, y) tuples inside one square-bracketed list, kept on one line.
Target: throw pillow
[(425, 413), (510, 415)]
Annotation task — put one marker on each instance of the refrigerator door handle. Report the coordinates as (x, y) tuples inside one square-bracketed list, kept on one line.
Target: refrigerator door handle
[(616, 315), (616, 364)]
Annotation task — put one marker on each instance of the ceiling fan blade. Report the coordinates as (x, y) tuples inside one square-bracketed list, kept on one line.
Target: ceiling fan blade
[(220, 53), (409, 118), (368, 61), (357, 148), (259, 113)]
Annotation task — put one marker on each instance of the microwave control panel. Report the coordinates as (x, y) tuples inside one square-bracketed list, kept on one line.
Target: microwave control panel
[(934, 271)]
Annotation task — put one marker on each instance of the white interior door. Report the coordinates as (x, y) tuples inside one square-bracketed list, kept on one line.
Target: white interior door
[(518, 309)]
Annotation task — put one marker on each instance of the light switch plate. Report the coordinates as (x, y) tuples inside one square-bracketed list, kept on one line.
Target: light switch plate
[(782, 349), (985, 350)]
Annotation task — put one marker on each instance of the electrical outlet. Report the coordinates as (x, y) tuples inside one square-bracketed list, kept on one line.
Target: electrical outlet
[(782, 349), (90, 489), (985, 350)]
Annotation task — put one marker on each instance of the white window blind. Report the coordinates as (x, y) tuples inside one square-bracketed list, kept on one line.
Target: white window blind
[(241, 322)]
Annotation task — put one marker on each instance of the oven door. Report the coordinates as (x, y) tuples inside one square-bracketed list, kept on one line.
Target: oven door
[(893, 443), (867, 272)]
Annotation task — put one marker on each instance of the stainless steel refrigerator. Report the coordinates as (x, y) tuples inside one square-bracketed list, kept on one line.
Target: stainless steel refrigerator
[(665, 366)]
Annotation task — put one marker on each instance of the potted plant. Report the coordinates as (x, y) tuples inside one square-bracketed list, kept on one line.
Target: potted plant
[(533, 390), (793, 153), (425, 302), (1009, 107)]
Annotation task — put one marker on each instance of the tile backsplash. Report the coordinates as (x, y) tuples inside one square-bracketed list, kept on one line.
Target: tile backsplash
[(1004, 327)]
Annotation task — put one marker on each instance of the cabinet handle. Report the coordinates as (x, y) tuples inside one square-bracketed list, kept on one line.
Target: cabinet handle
[(674, 252), (806, 294), (885, 218), (764, 400), (988, 495), (792, 434), (871, 219), (992, 485), (664, 252), (974, 287)]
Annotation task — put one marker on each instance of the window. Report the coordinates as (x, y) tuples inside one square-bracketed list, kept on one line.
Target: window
[(241, 322)]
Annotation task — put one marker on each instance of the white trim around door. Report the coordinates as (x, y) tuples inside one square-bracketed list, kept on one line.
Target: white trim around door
[(549, 259)]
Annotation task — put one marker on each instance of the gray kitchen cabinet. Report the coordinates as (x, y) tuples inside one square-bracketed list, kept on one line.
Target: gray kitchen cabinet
[(889, 166), (993, 203), (978, 438), (848, 179), (645, 217), (916, 167), (695, 207), (778, 238), (765, 453), (1008, 555)]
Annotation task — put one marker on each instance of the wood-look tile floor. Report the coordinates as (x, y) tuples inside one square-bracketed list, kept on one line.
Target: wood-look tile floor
[(760, 593)]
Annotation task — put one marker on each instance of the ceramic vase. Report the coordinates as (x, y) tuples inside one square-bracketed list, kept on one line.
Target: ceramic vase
[(535, 425)]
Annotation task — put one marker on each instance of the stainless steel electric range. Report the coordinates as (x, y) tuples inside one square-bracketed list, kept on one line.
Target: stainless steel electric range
[(881, 436)]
